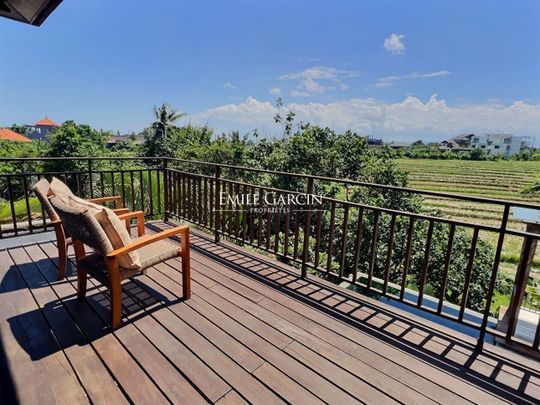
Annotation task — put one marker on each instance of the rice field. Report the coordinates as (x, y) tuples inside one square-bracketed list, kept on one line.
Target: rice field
[(500, 179)]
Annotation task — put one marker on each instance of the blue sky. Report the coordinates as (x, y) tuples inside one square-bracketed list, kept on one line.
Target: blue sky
[(393, 69)]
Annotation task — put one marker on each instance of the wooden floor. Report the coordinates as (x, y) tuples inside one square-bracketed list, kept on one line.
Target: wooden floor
[(252, 332)]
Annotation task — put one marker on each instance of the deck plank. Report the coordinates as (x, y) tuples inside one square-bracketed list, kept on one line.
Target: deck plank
[(40, 370), (155, 364), (207, 381), (430, 380), (404, 385), (98, 383), (262, 343), (271, 354)]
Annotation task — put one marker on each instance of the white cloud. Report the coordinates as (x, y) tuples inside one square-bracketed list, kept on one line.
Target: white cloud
[(296, 93), (230, 86), (319, 79), (408, 119), (276, 91), (394, 44), (249, 112), (390, 80)]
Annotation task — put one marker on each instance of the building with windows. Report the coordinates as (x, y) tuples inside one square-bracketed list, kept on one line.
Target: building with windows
[(500, 143), (41, 128)]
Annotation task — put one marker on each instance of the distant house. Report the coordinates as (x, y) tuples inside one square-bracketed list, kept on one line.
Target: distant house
[(7, 134), (501, 144), (374, 142), (462, 141), (41, 128), (494, 143)]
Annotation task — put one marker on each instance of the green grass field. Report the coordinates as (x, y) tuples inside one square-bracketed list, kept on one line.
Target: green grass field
[(499, 179)]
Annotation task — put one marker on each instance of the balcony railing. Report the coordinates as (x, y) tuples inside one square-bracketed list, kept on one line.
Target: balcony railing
[(368, 247)]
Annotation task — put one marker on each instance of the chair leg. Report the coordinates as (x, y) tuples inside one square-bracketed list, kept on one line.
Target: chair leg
[(82, 276), (186, 266), (115, 289), (62, 260), (116, 305), (62, 250), (186, 279)]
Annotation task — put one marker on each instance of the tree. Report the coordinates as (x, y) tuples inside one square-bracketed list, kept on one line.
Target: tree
[(13, 149), (478, 154), (284, 117), (156, 135), (165, 116), (20, 129), (74, 140)]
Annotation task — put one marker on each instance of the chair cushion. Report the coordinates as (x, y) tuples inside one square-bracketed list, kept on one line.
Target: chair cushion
[(94, 263), (77, 202), (112, 226), (119, 237), (81, 225), (157, 252), (60, 189), (42, 189)]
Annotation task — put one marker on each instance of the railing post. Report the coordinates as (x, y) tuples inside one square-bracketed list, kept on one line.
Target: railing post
[(307, 228), (217, 206), (522, 277), (90, 180), (165, 190), (493, 280)]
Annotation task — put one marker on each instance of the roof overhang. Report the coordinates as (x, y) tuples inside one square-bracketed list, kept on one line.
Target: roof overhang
[(32, 12)]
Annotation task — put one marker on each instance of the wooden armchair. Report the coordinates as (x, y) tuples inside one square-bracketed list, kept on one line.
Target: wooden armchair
[(41, 190), (105, 265)]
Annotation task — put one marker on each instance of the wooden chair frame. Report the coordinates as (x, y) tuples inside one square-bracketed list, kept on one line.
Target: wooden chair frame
[(113, 269)]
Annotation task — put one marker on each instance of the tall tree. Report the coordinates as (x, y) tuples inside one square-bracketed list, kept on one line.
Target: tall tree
[(155, 136), (74, 140), (165, 117)]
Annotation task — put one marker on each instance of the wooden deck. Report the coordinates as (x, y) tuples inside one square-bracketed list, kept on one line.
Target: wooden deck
[(253, 332)]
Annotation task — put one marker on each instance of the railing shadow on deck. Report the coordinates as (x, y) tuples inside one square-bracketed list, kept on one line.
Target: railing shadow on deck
[(449, 353)]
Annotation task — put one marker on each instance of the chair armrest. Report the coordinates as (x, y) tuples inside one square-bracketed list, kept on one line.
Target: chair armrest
[(115, 198), (146, 240), (139, 216), (120, 211)]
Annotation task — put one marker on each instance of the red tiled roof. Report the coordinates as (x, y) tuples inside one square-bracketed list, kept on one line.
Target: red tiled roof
[(7, 134), (46, 122)]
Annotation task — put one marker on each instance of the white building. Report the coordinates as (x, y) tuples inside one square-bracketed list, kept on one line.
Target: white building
[(501, 144)]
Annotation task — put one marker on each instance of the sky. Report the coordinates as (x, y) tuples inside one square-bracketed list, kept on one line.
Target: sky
[(390, 69)]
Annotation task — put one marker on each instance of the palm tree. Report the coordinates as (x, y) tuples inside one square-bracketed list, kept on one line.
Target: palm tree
[(165, 118)]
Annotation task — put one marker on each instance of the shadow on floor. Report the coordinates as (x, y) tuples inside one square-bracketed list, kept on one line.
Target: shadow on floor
[(32, 329), (506, 377), (8, 391)]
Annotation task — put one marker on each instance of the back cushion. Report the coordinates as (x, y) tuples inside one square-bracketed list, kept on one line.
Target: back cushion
[(42, 189), (77, 202), (118, 236), (113, 227), (61, 190)]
